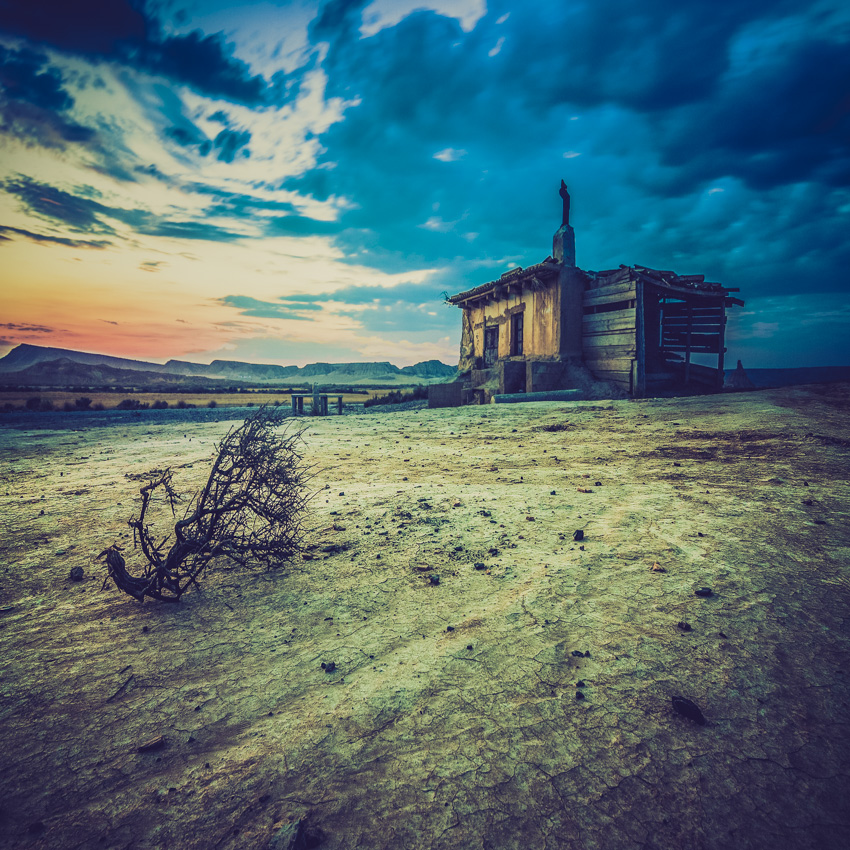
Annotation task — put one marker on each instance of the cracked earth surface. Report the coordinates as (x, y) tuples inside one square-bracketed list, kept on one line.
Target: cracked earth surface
[(523, 701)]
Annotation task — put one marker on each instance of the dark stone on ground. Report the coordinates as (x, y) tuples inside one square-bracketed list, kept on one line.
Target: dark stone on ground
[(704, 591), (578, 534), (689, 709), (77, 574)]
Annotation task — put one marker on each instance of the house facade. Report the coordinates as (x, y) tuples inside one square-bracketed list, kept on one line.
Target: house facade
[(637, 328)]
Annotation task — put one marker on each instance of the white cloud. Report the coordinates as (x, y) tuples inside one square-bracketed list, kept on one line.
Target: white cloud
[(450, 155), (497, 49), (387, 13)]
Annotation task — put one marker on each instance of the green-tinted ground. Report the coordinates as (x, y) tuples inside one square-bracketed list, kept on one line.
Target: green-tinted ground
[(451, 719)]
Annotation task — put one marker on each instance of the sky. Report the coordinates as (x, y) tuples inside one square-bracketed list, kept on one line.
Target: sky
[(290, 182)]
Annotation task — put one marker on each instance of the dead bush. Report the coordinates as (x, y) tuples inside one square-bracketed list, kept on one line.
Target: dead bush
[(250, 511)]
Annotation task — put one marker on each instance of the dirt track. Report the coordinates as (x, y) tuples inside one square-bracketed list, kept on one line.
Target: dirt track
[(452, 718)]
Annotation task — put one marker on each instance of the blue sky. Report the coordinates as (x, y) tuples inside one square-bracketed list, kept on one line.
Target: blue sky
[(289, 182)]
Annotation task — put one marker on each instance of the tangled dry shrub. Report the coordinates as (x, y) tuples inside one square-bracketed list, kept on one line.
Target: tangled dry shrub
[(250, 510)]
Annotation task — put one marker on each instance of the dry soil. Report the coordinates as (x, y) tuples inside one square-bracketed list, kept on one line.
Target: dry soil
[(496, 683)]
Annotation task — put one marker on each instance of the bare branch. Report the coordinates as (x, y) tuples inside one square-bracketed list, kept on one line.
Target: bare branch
[(249, 509)]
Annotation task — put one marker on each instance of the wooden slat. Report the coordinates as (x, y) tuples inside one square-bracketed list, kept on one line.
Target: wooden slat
[(610, 364), (600, 352), (611, 289), (612, 338), (682, 321), (679, 309), (609, 294), (622, 379), (614, 321)]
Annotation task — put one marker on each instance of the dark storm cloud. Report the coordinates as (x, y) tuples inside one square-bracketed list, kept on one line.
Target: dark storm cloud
[(655, 102), (204, 62), (51, 240), (269, 309), (83, 213), (786, 121), (25, 328), (229, 142), (95, 27), (375, 308), (116, 30), (32, 99)]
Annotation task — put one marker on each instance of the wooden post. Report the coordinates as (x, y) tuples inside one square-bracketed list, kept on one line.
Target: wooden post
[(639, 369), (721, 350)]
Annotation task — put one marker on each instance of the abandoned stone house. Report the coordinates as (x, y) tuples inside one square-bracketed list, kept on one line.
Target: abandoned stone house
[(635, 327)]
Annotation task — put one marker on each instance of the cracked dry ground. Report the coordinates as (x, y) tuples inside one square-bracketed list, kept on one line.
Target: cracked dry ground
[(452, 718)]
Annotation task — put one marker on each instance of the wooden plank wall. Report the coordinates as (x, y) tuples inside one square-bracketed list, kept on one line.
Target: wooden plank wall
[(608, 339)]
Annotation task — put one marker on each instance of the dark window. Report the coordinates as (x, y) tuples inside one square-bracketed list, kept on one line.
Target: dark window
[(516, 334), (491, 345)]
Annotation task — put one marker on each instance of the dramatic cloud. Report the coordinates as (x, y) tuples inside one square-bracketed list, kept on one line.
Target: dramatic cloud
[(321, 145)]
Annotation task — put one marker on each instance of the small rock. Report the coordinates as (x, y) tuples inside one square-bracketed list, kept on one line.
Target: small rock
[(434, 579), (577, 653), (676, 464), (529, 519), (579, 695), (578, 534), (450, 628), (580, 684), (41, 512), (685, 627), (328, 666), (597, 484), (704, 591), (469, 646), (479, 566), (689, 709), (154, 744), (145, 629), (553, 493), (77, 574)]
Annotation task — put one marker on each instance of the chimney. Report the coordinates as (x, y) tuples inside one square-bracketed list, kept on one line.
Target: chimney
[(564, 243)]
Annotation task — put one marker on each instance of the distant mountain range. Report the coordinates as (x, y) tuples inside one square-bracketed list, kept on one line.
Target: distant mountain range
[(35, 365)]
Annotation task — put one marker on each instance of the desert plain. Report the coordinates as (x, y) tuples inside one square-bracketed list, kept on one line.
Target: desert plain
[(444, 665)]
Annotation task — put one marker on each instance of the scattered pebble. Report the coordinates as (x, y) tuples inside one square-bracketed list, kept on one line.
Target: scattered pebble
[(77, 574), (704, 591), (685, 627), (579, 695), (578, 534), (328, 666), (434, 578)]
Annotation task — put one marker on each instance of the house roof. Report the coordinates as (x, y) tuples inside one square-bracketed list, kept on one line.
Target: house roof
[(682, 285), (676, 285), (511, 277)]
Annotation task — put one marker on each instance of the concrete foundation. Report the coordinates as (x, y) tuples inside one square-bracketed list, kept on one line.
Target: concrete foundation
[(446, 395)]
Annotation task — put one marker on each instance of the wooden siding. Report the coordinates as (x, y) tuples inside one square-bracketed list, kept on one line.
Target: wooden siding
[(609, 340)]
